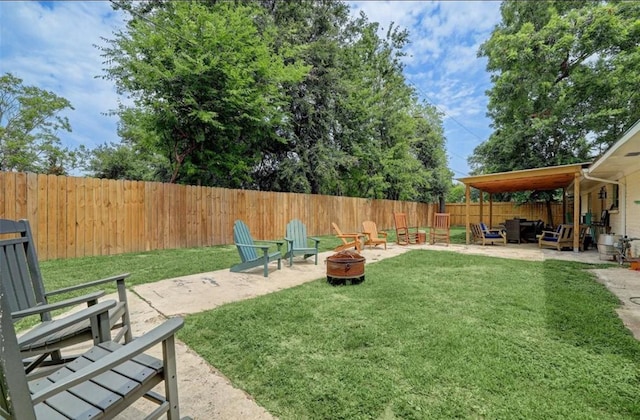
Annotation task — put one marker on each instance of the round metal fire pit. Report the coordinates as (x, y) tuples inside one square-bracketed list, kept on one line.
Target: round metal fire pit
[(345, 266)]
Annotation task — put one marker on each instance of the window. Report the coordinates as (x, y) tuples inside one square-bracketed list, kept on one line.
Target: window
[(614, 197)]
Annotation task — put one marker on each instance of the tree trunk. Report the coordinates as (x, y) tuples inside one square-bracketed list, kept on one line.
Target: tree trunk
[(549, 214)]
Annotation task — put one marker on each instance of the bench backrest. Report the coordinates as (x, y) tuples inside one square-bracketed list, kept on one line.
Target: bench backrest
[(565, 232), (441, 220), (370, 227), (15, 400), (476, 230), (400, 220), (297, 231), (19, 269), (242, 236)]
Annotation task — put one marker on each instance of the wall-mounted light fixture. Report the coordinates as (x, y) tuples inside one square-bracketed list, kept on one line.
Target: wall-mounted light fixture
[(602, 195)]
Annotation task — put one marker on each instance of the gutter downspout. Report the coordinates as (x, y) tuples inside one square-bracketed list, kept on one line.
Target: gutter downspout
[(585, 173), (623, 199)]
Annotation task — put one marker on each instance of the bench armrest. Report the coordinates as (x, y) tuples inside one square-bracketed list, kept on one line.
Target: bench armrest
[(263, 247), (278, 243), (36, 310), (369, 234), (157, 335), (62, 323), (119, 278), (351, 235)]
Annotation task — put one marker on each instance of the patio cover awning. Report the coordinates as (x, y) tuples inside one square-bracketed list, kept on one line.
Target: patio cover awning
[(538, 179)]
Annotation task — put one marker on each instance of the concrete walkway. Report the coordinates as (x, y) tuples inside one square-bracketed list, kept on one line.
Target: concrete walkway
[(206, 394)]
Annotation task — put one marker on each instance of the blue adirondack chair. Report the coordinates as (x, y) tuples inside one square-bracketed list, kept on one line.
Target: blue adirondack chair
[(252, 255), (298, 242)]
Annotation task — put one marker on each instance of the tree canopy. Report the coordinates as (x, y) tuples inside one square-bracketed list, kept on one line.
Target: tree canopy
[(565, 77), (209, 84), (273, 95), (29, 121)]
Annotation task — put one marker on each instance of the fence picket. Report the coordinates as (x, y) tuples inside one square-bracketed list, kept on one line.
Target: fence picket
[(74, 217)]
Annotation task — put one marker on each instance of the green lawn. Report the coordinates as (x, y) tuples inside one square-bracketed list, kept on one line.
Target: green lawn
[(147, 267), (431, 334)]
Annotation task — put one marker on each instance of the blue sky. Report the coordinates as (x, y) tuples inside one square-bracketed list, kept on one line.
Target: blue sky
[(52, 46)]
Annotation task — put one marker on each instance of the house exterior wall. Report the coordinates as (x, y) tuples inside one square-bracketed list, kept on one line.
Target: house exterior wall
[(632, 210), (622, 221), (591, 206), (616, 222)]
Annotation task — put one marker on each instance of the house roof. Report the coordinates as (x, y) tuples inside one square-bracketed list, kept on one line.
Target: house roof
[(538, 179), (620, 159)]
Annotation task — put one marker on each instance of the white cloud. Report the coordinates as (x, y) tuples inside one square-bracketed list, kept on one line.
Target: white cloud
[(52, 46), (442, 62)]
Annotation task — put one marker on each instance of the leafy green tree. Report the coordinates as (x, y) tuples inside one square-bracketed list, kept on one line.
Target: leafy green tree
[(124, 161), (565, 77), (430, 150), (136, 157), (311, 159), (29, 123), (379, 126), (206, 79), (400, 142), (456, 194), (298, 96), (353, 128)]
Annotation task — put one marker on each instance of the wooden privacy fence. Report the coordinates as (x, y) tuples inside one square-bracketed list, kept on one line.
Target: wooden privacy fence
[(504, 211), (76, 217)]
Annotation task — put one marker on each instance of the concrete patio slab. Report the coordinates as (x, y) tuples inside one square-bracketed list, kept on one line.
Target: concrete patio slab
[(206, 394)]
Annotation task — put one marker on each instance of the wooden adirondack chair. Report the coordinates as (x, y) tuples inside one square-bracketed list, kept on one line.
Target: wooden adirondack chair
[(373, 237), (248, 250), (26, 295), (298, 242), (98, 384), (405, 234), (481, 233), (440, 230), (562, 237), (349, 240), (584, 231)]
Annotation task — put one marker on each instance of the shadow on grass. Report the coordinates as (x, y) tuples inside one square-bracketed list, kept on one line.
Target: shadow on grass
[(582, 312), (430, 334)]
